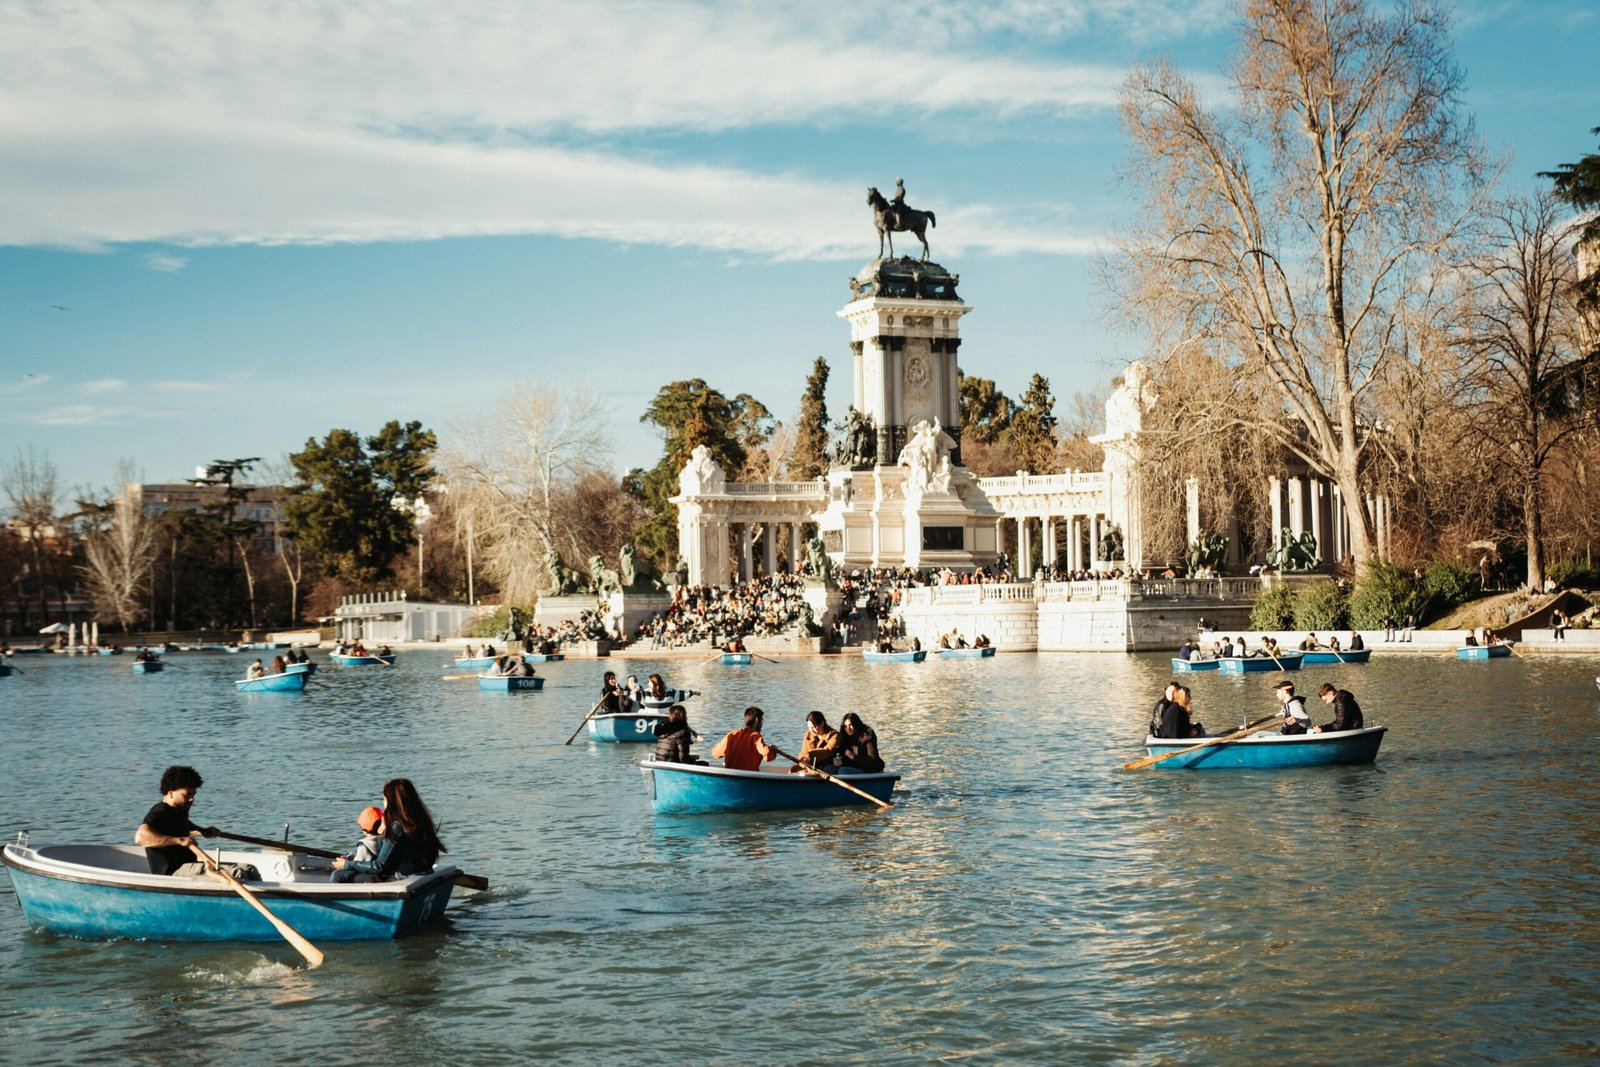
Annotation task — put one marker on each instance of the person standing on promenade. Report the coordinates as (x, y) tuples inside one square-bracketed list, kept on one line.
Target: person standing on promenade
[(167, 831), (1558, 624)]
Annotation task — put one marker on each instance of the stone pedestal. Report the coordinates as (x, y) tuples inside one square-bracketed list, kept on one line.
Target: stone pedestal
[(633, 608), (555, 610)]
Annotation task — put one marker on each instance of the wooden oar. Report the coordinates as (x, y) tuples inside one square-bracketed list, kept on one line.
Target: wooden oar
[(834, 780), (717, 656), (585, 721), (469, 881), (758, 655), (1276, 660), (1244, 731), (311, 952), (457, 677)]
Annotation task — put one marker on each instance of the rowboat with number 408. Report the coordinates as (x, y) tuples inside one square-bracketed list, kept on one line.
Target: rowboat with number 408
[(634, 726), (690, 789), (107, 892), (1270, 750)]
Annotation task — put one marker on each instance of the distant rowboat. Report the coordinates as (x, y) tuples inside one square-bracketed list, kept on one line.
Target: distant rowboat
[(544, 657), (1483, 651), (635, 726), (301, 668), (5, 670), (1271, 750), (148, 666), (1325, 657), (894, 657), (689, 789), (504, 683), (273, 683), (1181, 664), (967, 653), (345, 660), (1285, 661), (736, 659)]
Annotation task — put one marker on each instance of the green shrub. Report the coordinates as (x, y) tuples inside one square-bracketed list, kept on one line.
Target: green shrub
[(492, 625), (1447, 585), (1385, 590), (1575, 574), (1321, 606), (1274, 609)]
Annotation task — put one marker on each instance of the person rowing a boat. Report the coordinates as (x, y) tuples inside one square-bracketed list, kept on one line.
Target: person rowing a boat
[(1346, 712), (745, 749), (167, 831), (1295, 718)]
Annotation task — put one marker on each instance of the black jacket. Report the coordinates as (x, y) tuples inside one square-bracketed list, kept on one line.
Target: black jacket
[(1346, 712)]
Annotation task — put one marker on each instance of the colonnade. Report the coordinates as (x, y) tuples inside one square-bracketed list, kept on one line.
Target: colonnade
[(765, 537), (1081, 532), (1317, 506)]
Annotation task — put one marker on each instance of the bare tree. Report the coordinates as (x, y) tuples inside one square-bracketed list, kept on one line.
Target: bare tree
[(1531, 385), (508, 478), (33, 490), (1293, 231), (120, 555)]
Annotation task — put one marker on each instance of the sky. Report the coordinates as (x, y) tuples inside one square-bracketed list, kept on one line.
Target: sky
[(226, 229)]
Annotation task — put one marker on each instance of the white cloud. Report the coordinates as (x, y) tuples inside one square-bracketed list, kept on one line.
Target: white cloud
[(105, 385), (78, 415), (174, 386), (27, 381), (166, 264), (195, 124)]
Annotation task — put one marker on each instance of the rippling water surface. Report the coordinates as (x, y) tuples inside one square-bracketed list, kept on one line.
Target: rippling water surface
[(1025, 900)]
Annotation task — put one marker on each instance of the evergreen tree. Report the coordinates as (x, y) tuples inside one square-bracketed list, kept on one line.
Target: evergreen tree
[(1033, 427), (343, 506), (985, 411), (809, 458)]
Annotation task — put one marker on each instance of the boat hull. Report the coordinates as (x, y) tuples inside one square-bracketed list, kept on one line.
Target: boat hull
[(966, 653), (273, 683), (736, 659), (1286, 661), (1475, 652), (1185, 665), (307, 668), (74, 890), (544, 657), (680, 788), (5, 671), (503, 684), (149, 667), (638, 726), (360, 661), (895, 657), (1272, 751), (1335, 658)]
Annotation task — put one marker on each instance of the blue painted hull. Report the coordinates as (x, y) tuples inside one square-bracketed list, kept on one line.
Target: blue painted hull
[(1290, 661), (475, 663), (639, 726), (1273, 751), (966, 653), (306, 668), (1182, 665), (5, 671), (109, 651), (1322, 659), (736, 659), (544, 657), (689, 790), (360, 661), (1483, 651), (149, 667), (508, 685), (77, 891), (894, 657), (273, 683)]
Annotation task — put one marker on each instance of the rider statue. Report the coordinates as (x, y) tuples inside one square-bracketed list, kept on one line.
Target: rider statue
[(898, 203)]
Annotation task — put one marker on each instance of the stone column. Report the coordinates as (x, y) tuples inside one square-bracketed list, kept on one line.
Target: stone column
[(769, 541), (1050, 550), (1336, 521), (1318, 488), (1275, 495), (747, 561), (796, 548), (1191, 498), (1094, 542), (1024, 548), (1297, 506)]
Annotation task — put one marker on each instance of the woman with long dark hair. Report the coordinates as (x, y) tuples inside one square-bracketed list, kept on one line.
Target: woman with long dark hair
[(673, 737), (411, 842), (858, 746)]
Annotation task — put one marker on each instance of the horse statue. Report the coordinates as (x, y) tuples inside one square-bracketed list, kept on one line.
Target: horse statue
[(891, 219), (1208, 550), (1111, 544), (602, 579), (564, 581), (1299, 553)]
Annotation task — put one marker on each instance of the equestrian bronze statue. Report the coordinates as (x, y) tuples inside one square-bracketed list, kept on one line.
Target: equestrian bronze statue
[(896, 217)]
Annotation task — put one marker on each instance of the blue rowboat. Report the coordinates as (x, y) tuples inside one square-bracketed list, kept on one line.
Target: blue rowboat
[(109, 651), (634, 726), (5, 671), (273, 683), (1272, 750), (343, 660), (894, 657), (544, 657), (685, 788), (1179, 664), (107, 892), (1482, 651), (966, 653), (476, 663), (1290, 661), (736, 659), (501, 683), (149, 666), (1324, 658), (301, 668)]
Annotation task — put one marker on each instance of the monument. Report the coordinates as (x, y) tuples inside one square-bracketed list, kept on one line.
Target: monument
[(899, 496)]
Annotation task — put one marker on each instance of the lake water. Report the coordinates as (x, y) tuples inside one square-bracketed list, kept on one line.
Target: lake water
[(1026, 900)]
